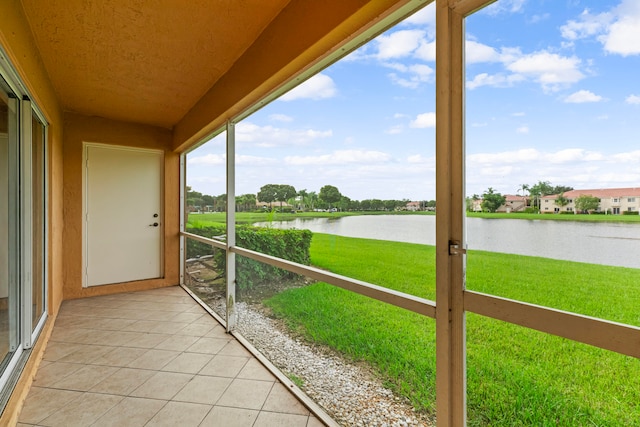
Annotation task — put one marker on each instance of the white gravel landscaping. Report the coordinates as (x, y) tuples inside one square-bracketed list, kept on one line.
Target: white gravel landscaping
[(349, 393)]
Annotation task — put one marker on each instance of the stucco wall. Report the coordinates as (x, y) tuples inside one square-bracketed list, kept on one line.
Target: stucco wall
[(79, 129), (17, 41)]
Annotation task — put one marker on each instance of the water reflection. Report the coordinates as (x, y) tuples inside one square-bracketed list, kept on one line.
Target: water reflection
[(616, 244)]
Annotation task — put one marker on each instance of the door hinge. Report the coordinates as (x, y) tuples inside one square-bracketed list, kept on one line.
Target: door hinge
[(455, 248)]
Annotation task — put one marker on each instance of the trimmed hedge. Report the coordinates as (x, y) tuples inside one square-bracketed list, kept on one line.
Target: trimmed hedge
[(196, 249), (292, 245)]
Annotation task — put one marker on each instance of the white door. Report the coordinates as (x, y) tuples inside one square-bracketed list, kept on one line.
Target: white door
[(123, 228)]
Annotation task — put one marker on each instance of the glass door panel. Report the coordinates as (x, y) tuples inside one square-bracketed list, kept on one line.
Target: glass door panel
[(8, 225), (38, 220)]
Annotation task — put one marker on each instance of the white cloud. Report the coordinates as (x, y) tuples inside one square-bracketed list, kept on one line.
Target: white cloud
[(504, 6), (320, 86), (394, 130), (576, 167), (426, 51), (221, 159), (623, 35), (629, 157), (245, 160), (280, 118), (523, 129), (586, 25), (477, 52), (339, 157), (424, 120), (506, 157), (531, 156), (568, 155), (421, 160), (618, 29), (494, 80), (539, 18), (425, 16), (632, 99), (551, 70), (399, 44), (582, 96), (270, 136), (417, 74), (209, 159), (518, 114)]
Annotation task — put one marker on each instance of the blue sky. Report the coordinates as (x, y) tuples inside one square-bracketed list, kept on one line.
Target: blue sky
[(552, 94)]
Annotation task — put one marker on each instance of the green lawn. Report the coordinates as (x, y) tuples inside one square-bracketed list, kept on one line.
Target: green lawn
[(516, 376)]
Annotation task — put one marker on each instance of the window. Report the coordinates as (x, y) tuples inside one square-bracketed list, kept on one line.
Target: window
[(22, 225), (631, 200)]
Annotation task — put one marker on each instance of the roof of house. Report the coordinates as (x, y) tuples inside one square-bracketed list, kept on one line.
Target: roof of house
[(514, 198), (602, 193)]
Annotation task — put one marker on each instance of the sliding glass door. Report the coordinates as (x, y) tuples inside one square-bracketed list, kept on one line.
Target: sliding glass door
[(9, 318), (38, 223), (23, 256)]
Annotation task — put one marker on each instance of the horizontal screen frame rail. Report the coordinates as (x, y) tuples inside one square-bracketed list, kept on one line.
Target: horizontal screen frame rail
[(605, 334)]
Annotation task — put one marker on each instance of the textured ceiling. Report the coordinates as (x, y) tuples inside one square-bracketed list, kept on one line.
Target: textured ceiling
[(142, 61)]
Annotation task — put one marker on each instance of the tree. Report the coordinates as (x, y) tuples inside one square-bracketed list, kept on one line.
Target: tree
[(377, 205), (208, 200), (491, 200), (284, 192), (245, 202), (390, 205), (330, 194), (561, 200), (587, 203), (194, 199), (524, 188), (542, 188), (303, 198), (268, 193), (313, 199), (220, 203), (344, 203), (560, 189)]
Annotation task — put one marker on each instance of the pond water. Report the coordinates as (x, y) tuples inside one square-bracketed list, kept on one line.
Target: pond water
[(616, 244)]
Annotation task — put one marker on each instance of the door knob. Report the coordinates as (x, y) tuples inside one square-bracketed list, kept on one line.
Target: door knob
[(155, 224)]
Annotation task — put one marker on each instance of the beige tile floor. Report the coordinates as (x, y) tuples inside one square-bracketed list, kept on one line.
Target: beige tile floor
[(153, 358)]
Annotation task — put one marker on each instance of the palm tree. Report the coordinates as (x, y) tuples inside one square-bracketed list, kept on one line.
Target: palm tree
[(303, 197), (561, 200), (525, 189), (313, 198)]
